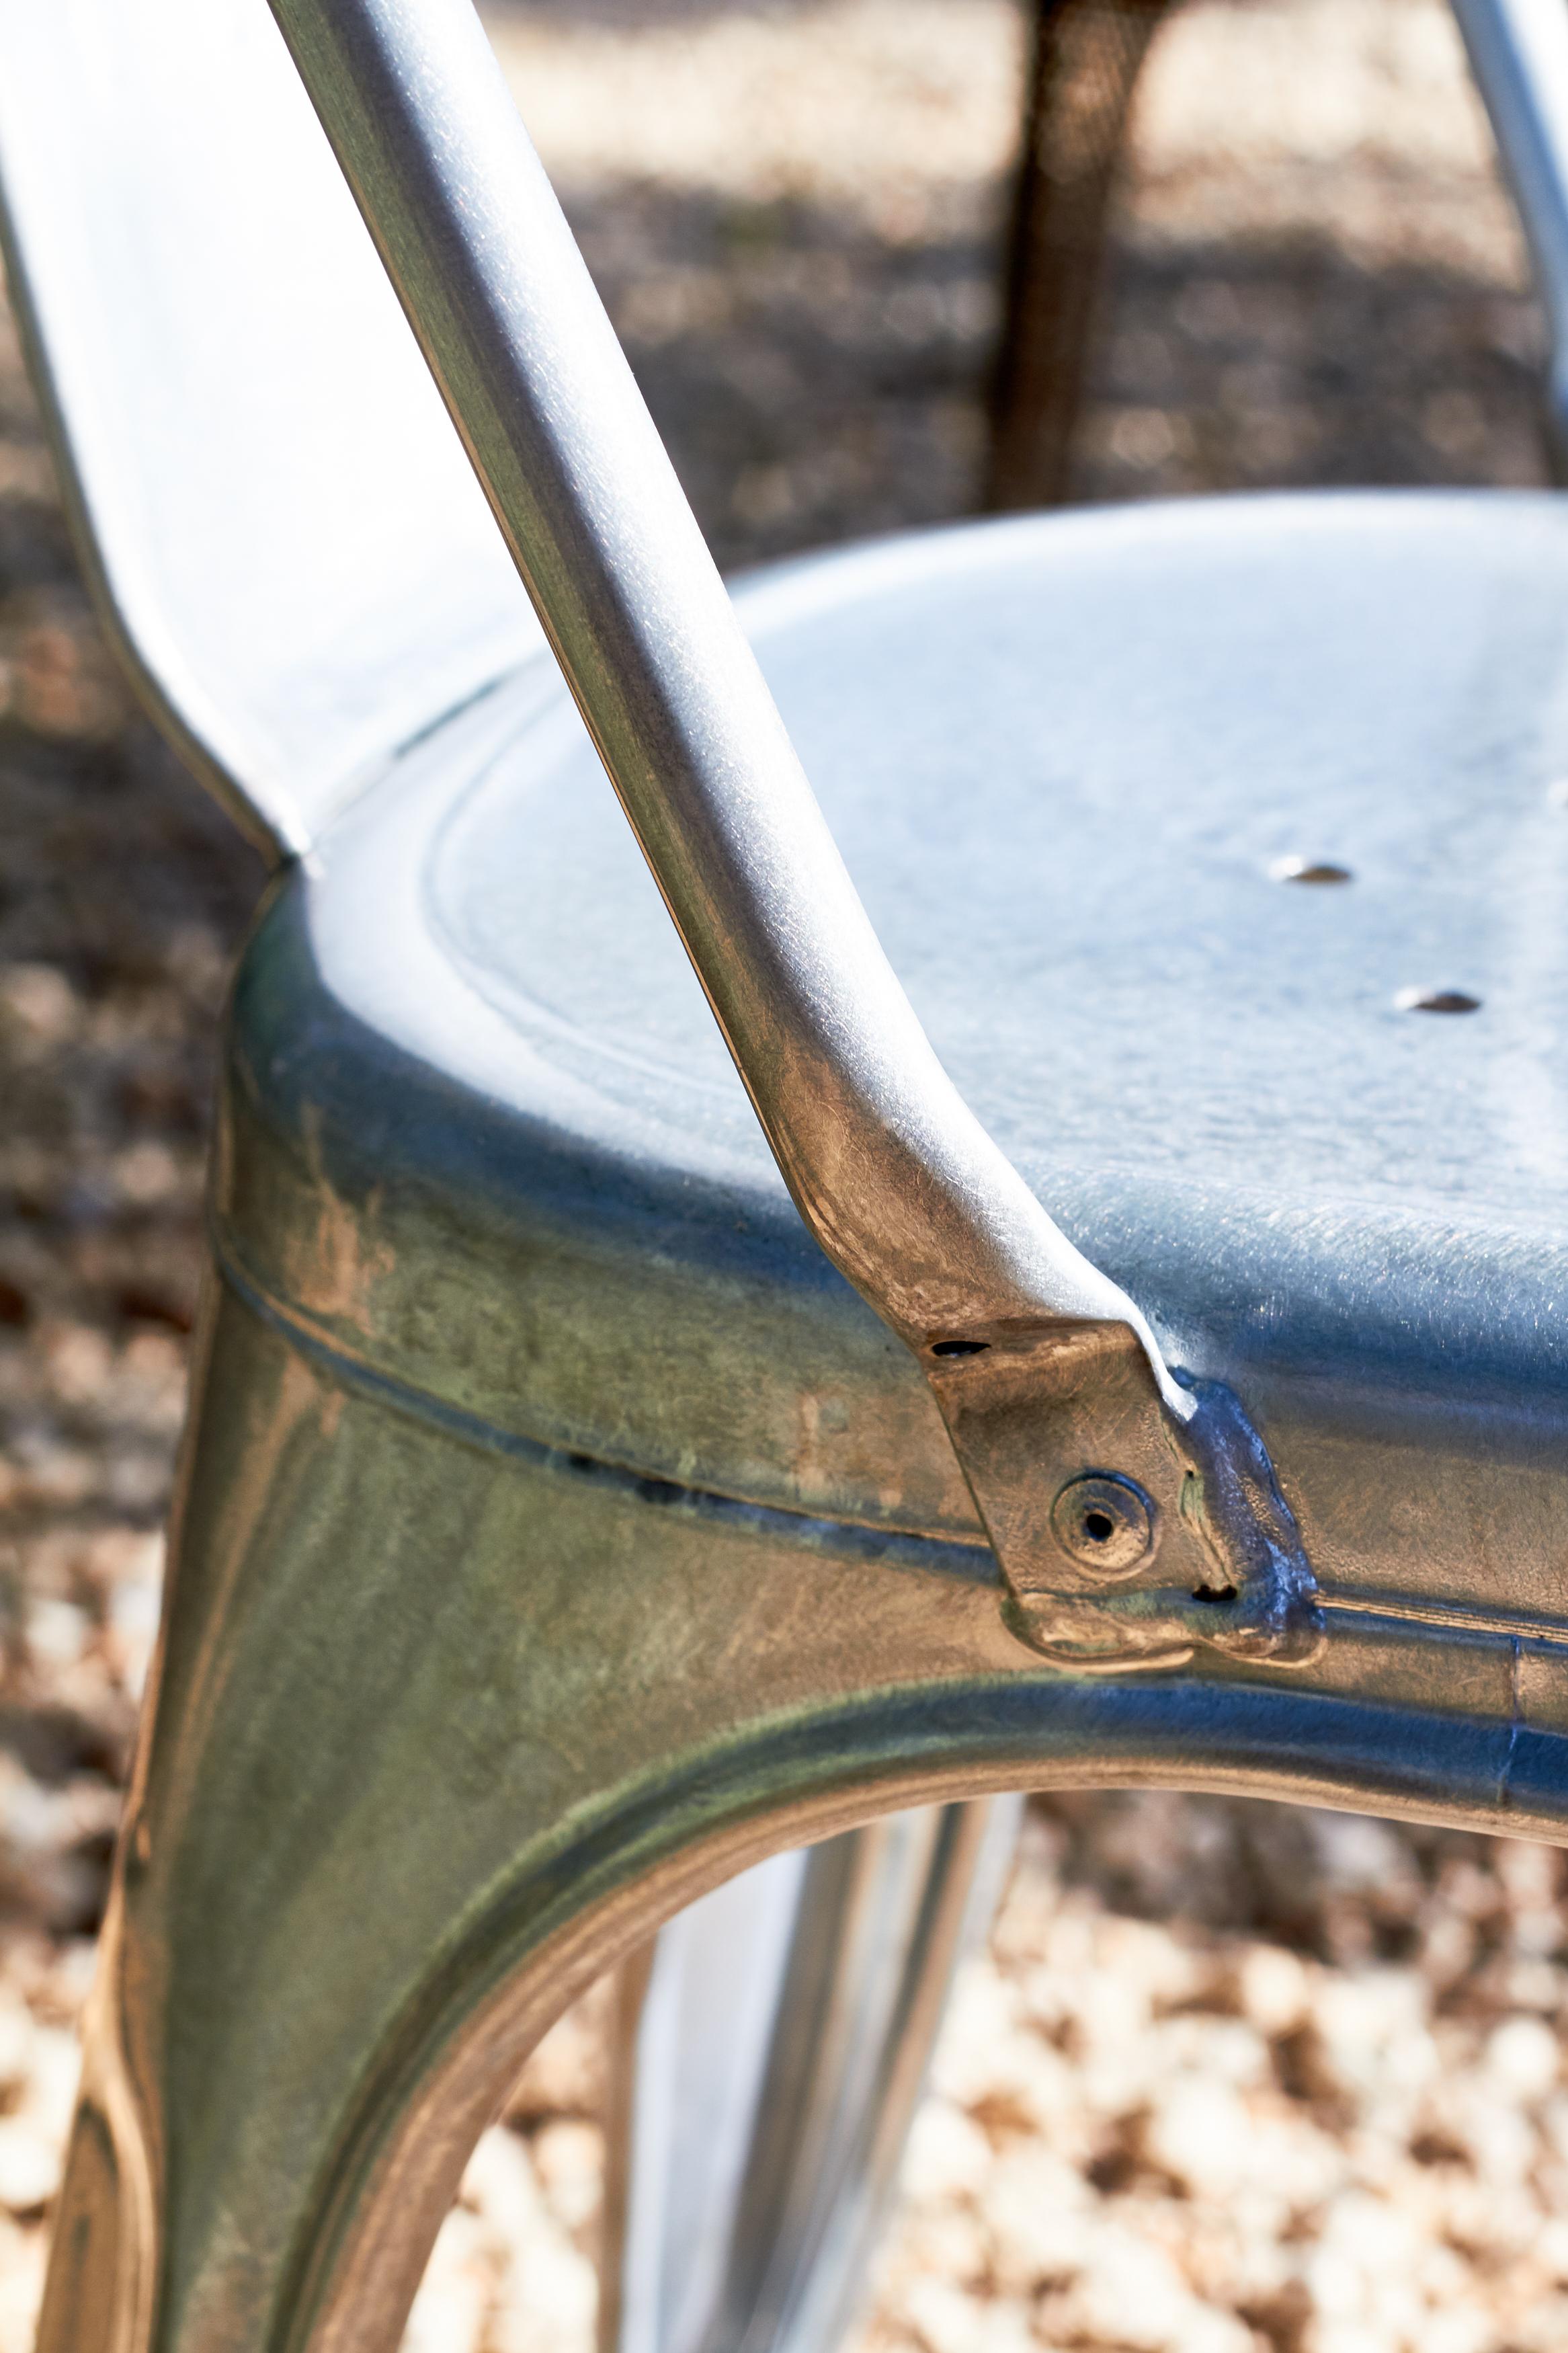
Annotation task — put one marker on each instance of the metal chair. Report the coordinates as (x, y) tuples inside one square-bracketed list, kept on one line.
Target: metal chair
[(599, 1483)]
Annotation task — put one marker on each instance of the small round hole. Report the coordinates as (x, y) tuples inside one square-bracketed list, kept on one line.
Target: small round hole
[(1214, 1593), (1106, 1522), (1309, 870), (1437, 1000), (959, 1347)]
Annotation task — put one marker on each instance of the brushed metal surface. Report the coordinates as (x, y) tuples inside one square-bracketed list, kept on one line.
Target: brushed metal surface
[(444, 1728)]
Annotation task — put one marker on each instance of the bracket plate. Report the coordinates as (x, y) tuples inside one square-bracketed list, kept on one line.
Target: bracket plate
[(1128, 1536)]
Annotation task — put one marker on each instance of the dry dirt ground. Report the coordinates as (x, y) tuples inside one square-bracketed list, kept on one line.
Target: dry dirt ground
[(1232, 2076)]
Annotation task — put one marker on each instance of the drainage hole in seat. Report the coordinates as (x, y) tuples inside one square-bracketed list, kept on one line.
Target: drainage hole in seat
[(1437, 1000), (1214, 1593), (1309, 870)]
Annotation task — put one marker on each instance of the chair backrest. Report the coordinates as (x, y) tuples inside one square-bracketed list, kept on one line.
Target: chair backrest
[(301, 566)]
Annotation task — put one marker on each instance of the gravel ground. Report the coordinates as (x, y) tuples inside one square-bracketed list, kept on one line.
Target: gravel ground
[(1231, 2075)]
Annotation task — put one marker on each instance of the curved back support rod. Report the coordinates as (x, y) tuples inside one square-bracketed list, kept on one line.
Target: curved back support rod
[(898, 1182)]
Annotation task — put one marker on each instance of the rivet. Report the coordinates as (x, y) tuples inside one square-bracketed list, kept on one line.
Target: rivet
[(1106, 1522)]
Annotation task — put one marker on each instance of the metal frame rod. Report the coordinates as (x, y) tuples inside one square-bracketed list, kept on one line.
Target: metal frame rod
[(900, 1183)]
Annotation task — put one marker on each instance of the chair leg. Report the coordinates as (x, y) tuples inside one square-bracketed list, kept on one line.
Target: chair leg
[(1085, 65), (442, 1729), (773, 2047)]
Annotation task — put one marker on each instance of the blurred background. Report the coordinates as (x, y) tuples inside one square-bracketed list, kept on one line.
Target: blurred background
[(1234, 2078)]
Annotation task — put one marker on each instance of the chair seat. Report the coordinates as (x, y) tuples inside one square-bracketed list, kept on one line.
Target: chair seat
[(1063, 757)]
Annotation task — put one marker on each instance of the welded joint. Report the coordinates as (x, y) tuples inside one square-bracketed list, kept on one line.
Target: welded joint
[(1129, 1535)]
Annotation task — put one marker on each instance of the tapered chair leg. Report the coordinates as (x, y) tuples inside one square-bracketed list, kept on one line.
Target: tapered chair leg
[(442, 1729)]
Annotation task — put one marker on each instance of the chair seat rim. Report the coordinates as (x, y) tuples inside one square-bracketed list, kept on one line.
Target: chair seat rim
[(483, 1147)]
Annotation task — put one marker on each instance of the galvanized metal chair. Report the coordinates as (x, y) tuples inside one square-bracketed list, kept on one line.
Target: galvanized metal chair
[(560, 1531)]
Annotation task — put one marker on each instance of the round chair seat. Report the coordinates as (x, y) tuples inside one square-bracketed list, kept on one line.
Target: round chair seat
[(1061, 759), (1084, 771)]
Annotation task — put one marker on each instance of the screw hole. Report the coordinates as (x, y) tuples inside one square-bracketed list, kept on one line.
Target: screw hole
[(1106, 1522), (1214, 1593), (1437, 1000), (1309, 870), (959, 1347)]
